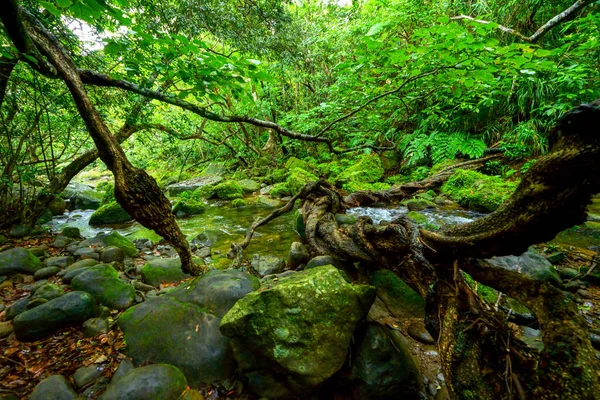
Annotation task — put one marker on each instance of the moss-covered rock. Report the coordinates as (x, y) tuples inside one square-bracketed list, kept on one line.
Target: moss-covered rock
[(44, 218), (238, 203), (478, 191), (111, 213), (400, 298), (184, 208), (417, 217), (158, 381), (82, 196), (249, 186), (368, 169), (264, 201), (357, 186), (102, 282), (293, 163), (228, 190), (280, 189), (111, 239), (291, 337), (163, 270), (71, 232), (419, 204), (18, 261), (297, 179)]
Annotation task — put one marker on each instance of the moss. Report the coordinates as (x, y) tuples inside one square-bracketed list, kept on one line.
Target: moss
[(356, 186), (293, 163), (249, 186), (111, 213), (280, 190), (485, 292), (417, 217), (120, 241), (478, 191), (397, 179), (368, 169), (238, 203), (109, 194), (441, 166), (204, 192), (188, 207), (229, 190), (277, 175), (298, 178)]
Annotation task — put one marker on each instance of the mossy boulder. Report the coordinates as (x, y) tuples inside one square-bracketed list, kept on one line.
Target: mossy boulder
[(358, 186), (249, 186), (70, 309), (419, 204), (18, 261), (182, 327), (400, 298), (229, 190), (264, 201), (297, 179), (102, 282), (478, 191), (111, 213), (184, 208), (419, 218), (111, 239), (163, 270), (82, 197), (71, 232), (293, 163), (291, 337), (368, 169), (238, 203), (158, 381), (280, 189)]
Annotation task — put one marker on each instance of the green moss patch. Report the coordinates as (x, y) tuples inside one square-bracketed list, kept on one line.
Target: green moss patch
[(478, 191), (368, 169), (111, 213), (229, 190)]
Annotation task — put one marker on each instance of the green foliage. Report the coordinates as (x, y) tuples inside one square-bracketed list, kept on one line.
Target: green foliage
[(477, 191), (298, 178), (493, 168), (356, 186), (437, 147), (228, 190), (109, 193), (280, 190), (525, 167), (368, 169)]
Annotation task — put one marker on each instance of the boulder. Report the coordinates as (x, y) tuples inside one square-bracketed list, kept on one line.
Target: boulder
[(82, 197), (267, 264), (400, 299), (112, 254), (419, 204), (112, 239), (95, 326), (267, 202), (207, 238), (54, 387), (194, 184), (57, 206), (229, 190), (48, 291), (249, 186), (18, 261), (60, 261), (86, 375), (45, 273), (111, 213), (238, 204), (291, 337), (184, 208), (102, 282), (70, 309), (383, 367), (182, 327), (61, 241), (88, 262), (16, 308), (298, 255), (18, 231), (71, 232), (530, 263), (162, 270), (158, 381)]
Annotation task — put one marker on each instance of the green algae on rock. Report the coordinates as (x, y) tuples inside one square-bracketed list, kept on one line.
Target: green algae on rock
[(111, 213), (478, 191)]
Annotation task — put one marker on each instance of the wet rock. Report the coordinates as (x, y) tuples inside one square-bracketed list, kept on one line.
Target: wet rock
[(69, 276), (184, 208), (45, 273), (556, 257), (289, 338), (125, 366), (78, 265), (162, 270), (383, 367), (48, 291), (111, 213), (71, 232), (530, 263), (182, 327), (193, 184), (112, 254), (55, 387), (249, 186), (207, 238), (16, 308), (267, 202), (399, 298), (320, 261), (112, 239), (568, 273), (95, 326), (203, 252), (419, 204), (19, 231), (38, 251), (82, 197), (417, 331), (102, 282), (141, 244), (298, 255), (70, 309), (87, 253), (345, 219), (36, 302), (6, 328), (84, 376), (57, 206), (18, 261), (142, 286), (94, 391), (61, 261), (158, 381), (267, 264)]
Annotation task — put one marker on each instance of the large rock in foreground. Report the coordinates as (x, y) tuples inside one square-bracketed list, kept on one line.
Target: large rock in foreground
[(182, 328), (159, 381), (68, 310), (102, 282), (18, 261), (290, 338), (163, 270), (54, 387)]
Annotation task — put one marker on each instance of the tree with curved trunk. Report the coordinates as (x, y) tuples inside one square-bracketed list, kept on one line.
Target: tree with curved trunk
[(135, 190)]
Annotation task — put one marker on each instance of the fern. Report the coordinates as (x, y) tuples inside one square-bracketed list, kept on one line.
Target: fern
[(439, 146)]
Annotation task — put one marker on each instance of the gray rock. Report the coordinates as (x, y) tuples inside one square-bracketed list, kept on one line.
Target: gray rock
[(19, 231), (249, 186), (87, 252), (102, 282), (203, 252), (345, 219), (85, 376), (267, 264), (141, 244), (39, 251), (71, 309), (125, 366), (95, 326), (158, 381), (298, 255), (142, 286), (112, 238), (78, 265), (162, 270), (82, 197), (267, 202), (419, 204), (531, 263), (55, 387), (182, 327), (112, 254), (207, 238), (383, 367), (48, 291), (16, 308), (57, 206), (61, 261), (70, 275), (94, 391), (6, 328), (18, 261), (320, 261), (45, 273)]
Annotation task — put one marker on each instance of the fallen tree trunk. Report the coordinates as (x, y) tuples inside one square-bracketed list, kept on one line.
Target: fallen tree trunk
[(480, 354)]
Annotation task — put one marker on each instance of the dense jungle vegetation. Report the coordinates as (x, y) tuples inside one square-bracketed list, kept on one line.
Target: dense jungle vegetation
[(171, 108)]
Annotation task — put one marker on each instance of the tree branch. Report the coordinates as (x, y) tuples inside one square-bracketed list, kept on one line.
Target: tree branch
[(566, 15)]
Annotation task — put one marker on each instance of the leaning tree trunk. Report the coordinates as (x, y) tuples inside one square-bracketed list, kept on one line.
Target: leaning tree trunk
[(481, 357), (135, 190)]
